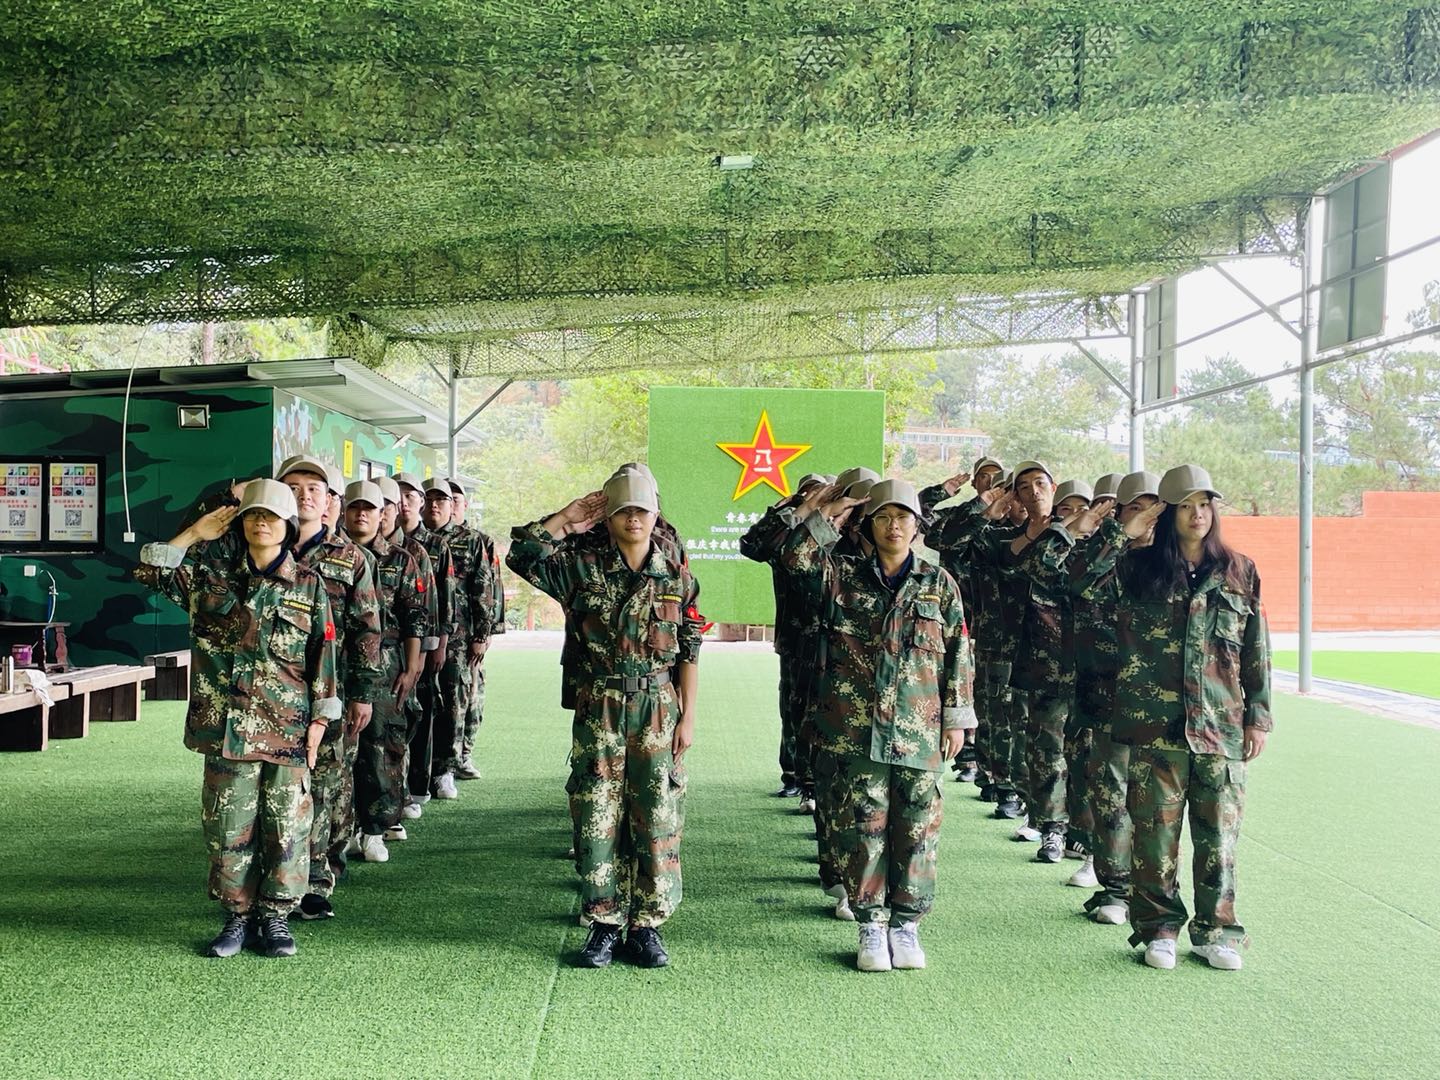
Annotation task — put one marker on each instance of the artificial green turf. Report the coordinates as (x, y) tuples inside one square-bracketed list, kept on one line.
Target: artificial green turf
[(1410, 672), (447, 960)]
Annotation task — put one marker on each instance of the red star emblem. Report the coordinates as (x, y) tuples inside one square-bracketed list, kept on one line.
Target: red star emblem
[(764, 459)]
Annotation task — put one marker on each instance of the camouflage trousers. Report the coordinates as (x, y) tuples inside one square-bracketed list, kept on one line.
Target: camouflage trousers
[(447, 728), (1079, 745), (420, 712), (1047, 772), (828, 796), (474, 710), (977, 742), (380, 762), (1010, 716), (884, 835), (332, 785), (627, 805), (796, 678), (1162, 784), (256, 821), (1106, 784)]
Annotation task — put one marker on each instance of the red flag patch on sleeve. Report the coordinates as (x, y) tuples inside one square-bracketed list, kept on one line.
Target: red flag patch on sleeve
[(420, 584), (329, 631)]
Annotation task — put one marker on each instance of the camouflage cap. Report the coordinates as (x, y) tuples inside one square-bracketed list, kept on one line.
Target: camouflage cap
[(365, 491), (1108, 485), (1072, 489), (1137, 484), (388, 488), (985, 463), (625, 490), (437, 485), (410, 480), (269, 495), (893, 493), (1031, 466), (304, 463), (1179, 483)]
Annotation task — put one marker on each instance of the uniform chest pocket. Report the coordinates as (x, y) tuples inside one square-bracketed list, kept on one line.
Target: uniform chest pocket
[(215, 617), (338, 570), (927, 628), (664, 631), (1231, 611), (854, 613), (290, 634)]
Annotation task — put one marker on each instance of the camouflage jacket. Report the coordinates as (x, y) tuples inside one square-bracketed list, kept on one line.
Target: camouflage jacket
[(263, 662), (404, 607), (1044, 656), (425, 574), (356, 606), (473, 556), (629, 622), (797, 617), (1194, 668), (897, 664), (1001, 597), (944, 528), (446, 589)]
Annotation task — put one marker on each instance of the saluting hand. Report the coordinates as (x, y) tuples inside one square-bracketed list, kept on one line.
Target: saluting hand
[(1142, 525), (837, 509), (212, 526), (955, 483), (1088, 520), (997, 506)]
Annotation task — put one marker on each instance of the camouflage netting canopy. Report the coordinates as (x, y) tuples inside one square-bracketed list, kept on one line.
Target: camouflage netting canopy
[(533, 188)]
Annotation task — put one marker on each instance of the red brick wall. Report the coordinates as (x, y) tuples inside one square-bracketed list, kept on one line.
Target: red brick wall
[(1378, 571)]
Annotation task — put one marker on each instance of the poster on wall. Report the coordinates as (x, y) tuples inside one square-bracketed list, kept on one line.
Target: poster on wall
[(21, 492), (74, 502), (721, 456)]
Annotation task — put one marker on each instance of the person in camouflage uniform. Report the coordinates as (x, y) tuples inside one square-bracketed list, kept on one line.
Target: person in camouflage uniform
[(973, 762), (635, 708), (445, 701), (1192, 701), (893, 705), (404, 610), (263, 680), (420, 709), (796, 632), (488, 614), (350, 584)]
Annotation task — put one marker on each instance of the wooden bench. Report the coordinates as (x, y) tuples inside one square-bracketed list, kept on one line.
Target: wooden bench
[(172, 676), (25, 719), (111, 692)]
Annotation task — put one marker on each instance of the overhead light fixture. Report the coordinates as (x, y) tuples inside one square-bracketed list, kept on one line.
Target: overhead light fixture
[(730, 162), (193, 416), (400, 442)]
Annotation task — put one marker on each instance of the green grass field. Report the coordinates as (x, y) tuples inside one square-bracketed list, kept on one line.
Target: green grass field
[(1411, 672), (448, 960)]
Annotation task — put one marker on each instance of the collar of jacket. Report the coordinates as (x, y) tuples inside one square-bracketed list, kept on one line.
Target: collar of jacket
[(283, 568), (654, 561)]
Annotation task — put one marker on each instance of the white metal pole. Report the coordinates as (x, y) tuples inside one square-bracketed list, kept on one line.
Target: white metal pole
[(452, 466), (1137, 387), (1307, 451)]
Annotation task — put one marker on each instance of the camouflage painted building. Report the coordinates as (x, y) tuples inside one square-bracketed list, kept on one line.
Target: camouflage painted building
[(258, 414)]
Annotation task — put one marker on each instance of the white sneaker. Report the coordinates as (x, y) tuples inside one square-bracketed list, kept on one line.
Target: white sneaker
[(842, 903), (905, 950), (352, 846), (1084, 876), (396, 832), (373, 849), (874, 952), (445, 787), (411, 810), (1219, 955), (1112, 914), (1160, 953), (1026, 834), (807, 806)]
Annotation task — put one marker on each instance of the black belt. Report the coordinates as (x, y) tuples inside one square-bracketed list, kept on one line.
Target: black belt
[(633, 684)]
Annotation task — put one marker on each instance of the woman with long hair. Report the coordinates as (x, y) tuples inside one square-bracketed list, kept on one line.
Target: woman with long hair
[(1192, 702)]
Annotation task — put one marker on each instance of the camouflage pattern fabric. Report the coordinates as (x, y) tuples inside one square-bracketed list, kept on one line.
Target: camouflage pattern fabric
[(884, 836), (1015, 739), (263, 664), (897, 669), (255, 817), (1107, 780), (1045, 765), (1162, 784), (1079, 745), (626, 791), (434, 714)]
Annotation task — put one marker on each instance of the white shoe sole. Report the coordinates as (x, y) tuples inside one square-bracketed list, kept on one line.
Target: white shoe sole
[(869, 962), (1112, 915), (908, 963), (1083, 881), (843, 912), (1234, 963), (1159, 961)]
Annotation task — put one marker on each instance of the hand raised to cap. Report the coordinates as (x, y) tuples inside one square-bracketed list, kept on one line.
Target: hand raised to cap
[(213, 525), (1088, 520), (956, 482), (582, 513), (997, 507), (837, 509), (1142, 525)]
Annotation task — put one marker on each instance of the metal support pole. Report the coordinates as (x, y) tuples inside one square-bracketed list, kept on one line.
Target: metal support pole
[(1307, 452), (1137, 388), (454, 382)]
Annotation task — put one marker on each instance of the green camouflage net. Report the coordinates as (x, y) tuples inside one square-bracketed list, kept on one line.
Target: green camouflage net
[(527, 188)]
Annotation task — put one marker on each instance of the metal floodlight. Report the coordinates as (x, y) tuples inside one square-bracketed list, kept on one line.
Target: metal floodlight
[(195, 417), (731, 162)]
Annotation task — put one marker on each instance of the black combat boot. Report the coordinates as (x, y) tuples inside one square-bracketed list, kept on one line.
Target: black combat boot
[(234, 936), (645, 947), (600, 946)]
